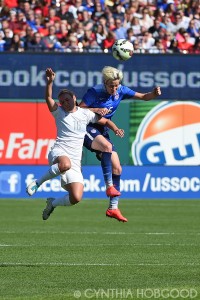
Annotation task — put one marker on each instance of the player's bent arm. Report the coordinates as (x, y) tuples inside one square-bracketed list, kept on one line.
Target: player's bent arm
[(99, 111), (52, 105), (112, 126), (148, 96)]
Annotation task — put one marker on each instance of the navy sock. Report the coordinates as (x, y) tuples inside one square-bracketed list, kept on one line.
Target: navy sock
[(107, 168), (116, 181)]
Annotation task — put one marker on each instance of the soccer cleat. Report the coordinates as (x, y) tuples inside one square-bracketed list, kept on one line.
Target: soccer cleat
[(116, 214), (32, 188), (112, 192), (48, 209)]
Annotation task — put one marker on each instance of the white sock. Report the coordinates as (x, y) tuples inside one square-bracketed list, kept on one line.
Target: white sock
[(114, 203), (51, 173), (63, 201)]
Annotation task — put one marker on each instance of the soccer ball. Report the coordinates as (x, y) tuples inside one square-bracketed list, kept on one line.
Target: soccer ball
[(122, 49)]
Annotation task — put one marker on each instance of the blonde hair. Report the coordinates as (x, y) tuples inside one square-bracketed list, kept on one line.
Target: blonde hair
[(110, 73)]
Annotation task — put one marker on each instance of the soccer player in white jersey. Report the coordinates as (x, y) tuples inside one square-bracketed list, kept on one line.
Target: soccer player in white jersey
[(65, 155), (104, 99)]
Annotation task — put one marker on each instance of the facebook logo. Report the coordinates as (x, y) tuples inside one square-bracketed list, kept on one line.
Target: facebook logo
[(10, 182)]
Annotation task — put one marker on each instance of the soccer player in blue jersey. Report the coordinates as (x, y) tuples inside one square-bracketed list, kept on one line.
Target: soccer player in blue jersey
[(104, 100)]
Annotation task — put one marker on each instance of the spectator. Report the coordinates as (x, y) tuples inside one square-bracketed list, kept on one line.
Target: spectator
[(2, 41), (120, 31), (89, 6), (135, 25), (76, 7), (52, 15), (62, 30), (101, 34), (73, 44), (186, 45), (155, 29), (88, 38), (118, 11), (167, 40), (147, 41), (95, 47), (64, 14), (43, 25), (28, 36), (26, 7), (51, 41), (98, 12), (146, 20), (8, 34), (196, 48), (192, 29), (109, 40), (20, 23), (137, 47), (17, 45), (80, 31), (86, 20), (31, 20), (111, 24), (157, 47), (36, 44), (173, 48), (130, 35)]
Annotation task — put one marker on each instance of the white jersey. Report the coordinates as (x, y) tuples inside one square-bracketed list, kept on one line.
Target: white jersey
[(71, 129)]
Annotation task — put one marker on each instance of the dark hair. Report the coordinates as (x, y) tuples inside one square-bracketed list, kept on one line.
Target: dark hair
[(66, 91)]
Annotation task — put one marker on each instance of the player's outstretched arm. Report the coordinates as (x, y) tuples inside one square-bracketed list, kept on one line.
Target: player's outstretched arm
[(50, 76), (148, 96), (112, 126)]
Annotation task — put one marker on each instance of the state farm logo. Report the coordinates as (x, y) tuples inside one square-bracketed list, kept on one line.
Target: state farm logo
[(28, 133), (169, 135)]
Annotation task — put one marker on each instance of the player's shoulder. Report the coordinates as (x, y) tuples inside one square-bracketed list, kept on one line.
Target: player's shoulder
[(84, 111), (124, 89), (58, 110), (98, 88)]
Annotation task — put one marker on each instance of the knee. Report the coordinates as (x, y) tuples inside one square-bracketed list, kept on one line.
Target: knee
[(75, 200), (108, 148), (64, 166)]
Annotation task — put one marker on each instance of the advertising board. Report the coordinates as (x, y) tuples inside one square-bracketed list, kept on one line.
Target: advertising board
[(22, 75), (156, 133), (157, 182)]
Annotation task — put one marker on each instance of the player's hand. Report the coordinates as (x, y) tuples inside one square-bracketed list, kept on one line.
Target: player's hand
[(157, 91), (103, 111), (119, 132), (50, 74)]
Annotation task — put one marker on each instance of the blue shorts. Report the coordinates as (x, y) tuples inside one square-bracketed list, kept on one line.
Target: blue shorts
[(94, 130)]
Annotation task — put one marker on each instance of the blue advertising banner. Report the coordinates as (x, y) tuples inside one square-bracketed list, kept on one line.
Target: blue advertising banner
[(22, 74), (156, 182)]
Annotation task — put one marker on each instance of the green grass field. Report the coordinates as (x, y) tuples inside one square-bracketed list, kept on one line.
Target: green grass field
[(80, 254)]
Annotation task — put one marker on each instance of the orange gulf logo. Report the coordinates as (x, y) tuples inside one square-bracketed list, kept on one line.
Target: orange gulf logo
[(169, 135)]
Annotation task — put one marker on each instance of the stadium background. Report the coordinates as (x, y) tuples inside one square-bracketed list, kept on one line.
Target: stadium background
[(26, 121)]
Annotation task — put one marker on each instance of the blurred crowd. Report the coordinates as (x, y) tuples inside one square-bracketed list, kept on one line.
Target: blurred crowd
[(162, 26)]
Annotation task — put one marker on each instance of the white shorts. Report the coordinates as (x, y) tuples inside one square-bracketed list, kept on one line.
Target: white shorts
[(74, 174)]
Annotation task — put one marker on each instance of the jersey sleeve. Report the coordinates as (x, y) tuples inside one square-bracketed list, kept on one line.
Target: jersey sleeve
[(127, 92), (56, 112), (89, 97), (92, 117)]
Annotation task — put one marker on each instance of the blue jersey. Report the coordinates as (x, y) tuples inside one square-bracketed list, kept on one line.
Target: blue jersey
[(97, 97)]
